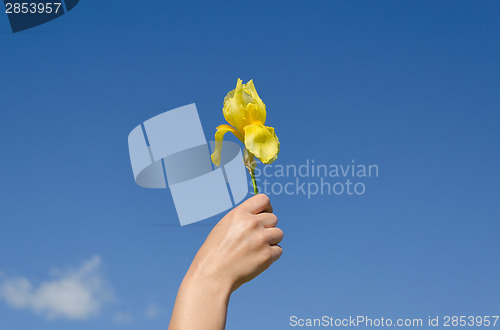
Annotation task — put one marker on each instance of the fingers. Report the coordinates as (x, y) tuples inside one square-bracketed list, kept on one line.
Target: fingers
[(276, 252), (268, 220), (258, 204), (274, 235)]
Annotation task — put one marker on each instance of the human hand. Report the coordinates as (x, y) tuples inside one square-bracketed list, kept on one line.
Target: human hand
[(241, 246)]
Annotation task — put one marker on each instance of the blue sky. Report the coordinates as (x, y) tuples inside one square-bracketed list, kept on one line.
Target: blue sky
[(410, 86)]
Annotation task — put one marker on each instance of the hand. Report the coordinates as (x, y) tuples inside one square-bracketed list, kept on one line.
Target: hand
[(241, 246)]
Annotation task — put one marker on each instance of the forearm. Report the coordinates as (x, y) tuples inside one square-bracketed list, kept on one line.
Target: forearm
[(201, 303)]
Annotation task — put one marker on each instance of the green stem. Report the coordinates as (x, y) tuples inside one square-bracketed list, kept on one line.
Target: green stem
[(252, 174)]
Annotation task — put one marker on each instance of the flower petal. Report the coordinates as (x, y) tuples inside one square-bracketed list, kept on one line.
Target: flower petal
[(235, 107), (219, 136), (256, 110), (275, 156), (261, 141)]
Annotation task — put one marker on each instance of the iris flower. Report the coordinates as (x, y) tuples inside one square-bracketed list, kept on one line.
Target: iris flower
[(246, 114)]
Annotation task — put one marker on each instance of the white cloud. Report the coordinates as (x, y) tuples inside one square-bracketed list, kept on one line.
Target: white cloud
[(75, 294), (152, 311), (122, 318)]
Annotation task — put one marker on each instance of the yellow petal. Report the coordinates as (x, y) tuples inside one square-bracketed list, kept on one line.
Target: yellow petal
[(219, 136), (257, 109), (235, 107), (243, 106), (261, 141)]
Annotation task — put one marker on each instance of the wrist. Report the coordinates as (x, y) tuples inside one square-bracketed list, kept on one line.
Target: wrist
[(205, 281)]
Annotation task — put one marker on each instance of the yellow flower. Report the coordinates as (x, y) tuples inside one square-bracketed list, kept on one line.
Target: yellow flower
[(246, 114)]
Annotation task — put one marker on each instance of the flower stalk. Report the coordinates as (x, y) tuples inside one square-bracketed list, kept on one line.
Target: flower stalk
[(251, 164), (255, 189)]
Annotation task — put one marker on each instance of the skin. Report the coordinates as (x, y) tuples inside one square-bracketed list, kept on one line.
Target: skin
[(241, 246)]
